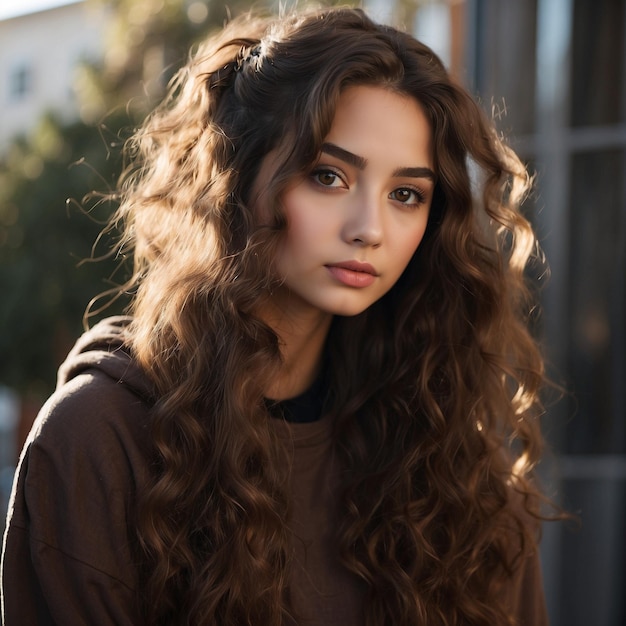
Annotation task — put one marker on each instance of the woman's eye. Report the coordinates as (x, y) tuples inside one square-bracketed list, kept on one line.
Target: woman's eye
[(406, 195), (327, 178)]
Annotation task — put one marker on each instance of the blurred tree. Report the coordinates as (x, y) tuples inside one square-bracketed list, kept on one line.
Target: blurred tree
[(44, 236), (47, 226)]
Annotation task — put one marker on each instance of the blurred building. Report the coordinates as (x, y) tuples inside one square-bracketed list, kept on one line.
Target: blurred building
[(555, 72), (39, 54)]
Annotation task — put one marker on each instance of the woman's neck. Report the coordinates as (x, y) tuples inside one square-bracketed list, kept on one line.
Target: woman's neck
[(302, 340)]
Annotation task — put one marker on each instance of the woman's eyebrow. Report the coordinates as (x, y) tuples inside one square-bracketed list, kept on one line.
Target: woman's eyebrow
[(415, 172), (361, 162), (352, 159)]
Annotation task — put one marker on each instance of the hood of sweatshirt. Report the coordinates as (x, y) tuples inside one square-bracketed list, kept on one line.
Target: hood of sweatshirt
[(103, 347)]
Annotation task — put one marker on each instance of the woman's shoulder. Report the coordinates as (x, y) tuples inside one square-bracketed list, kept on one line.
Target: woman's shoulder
[(523, 593), (102, 400), (90, 441), (87, 456), (91, 414), (73, 506)]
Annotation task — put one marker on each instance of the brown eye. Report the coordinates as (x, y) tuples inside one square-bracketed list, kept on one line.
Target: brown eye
[(327, 178), (406, 195), (402, 195)]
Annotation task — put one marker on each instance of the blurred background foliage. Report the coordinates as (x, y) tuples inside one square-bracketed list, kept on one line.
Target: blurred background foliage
[(45, 237), (49, 217)]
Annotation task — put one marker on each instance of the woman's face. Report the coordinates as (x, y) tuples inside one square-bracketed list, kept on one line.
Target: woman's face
[(355, 221)]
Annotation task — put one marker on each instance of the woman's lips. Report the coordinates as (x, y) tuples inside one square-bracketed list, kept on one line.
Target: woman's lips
[(353, 273)]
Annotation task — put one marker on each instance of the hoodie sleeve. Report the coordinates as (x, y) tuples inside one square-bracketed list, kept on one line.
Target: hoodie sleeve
[(524, 595), (68, 555)]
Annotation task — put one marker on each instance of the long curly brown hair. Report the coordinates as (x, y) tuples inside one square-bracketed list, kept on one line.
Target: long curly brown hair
[(435, 388)]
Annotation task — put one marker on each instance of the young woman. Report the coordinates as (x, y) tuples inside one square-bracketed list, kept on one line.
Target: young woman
[(322, 408)]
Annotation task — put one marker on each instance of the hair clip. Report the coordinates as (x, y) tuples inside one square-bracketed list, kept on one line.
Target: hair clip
[(222, 77), (246, 55)]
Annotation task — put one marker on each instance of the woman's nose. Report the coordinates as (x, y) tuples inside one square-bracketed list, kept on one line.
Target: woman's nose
[(363, 225)]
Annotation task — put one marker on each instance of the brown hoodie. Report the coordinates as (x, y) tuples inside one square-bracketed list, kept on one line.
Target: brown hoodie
[(69, 554)]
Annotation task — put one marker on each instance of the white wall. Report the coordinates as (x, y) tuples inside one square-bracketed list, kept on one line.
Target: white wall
[(46, 46)]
